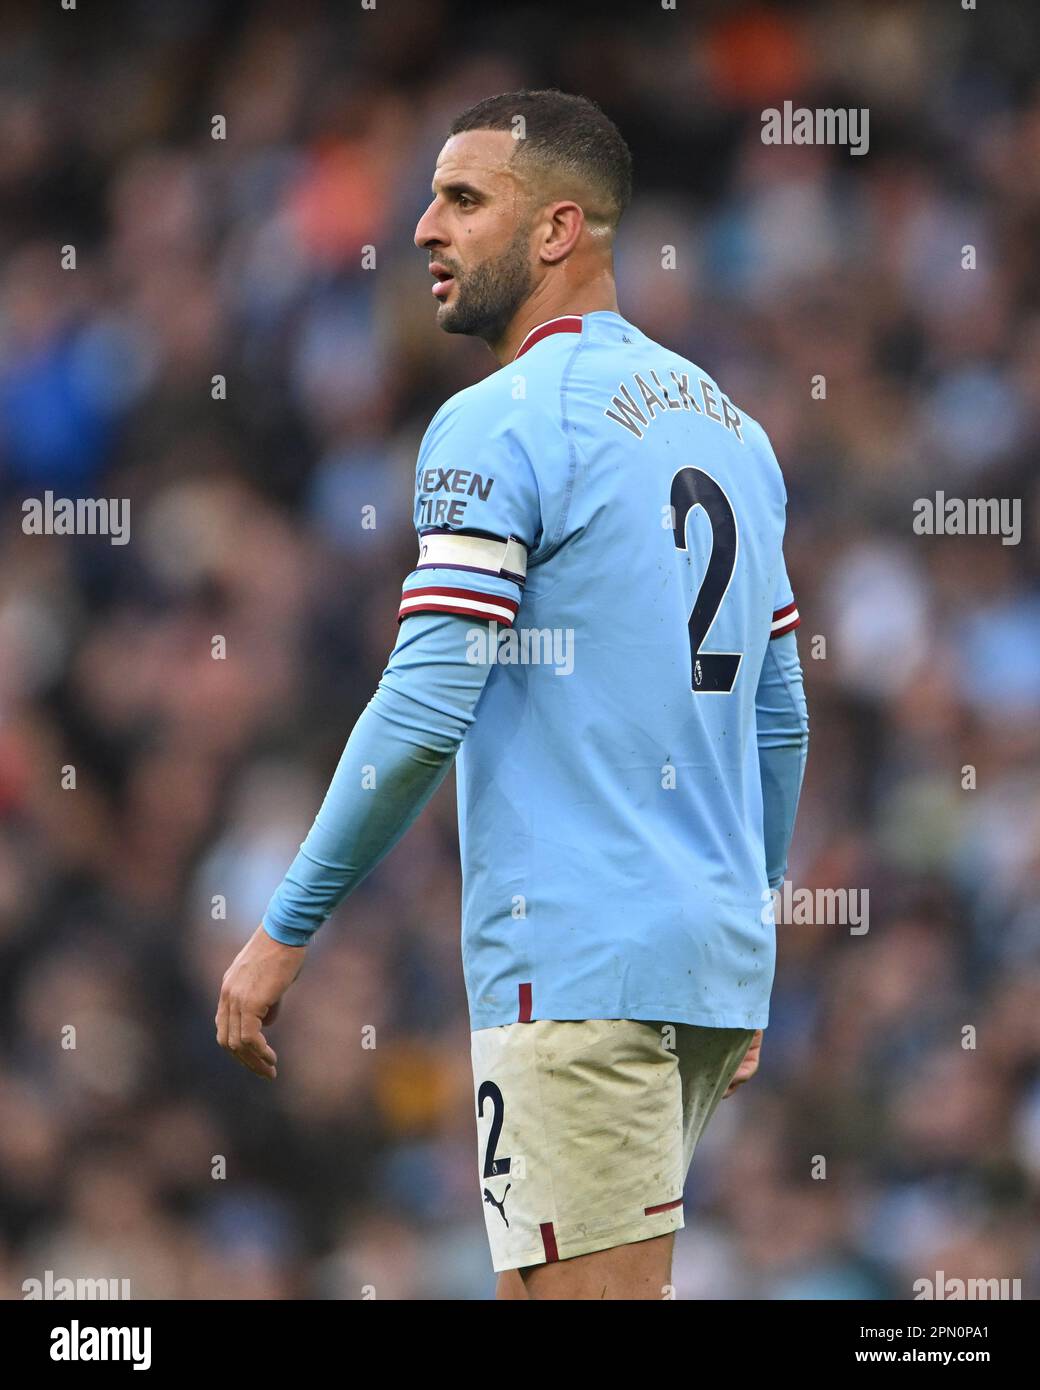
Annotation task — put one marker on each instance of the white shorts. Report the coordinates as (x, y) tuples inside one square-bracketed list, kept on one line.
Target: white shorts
[(586, 1129)]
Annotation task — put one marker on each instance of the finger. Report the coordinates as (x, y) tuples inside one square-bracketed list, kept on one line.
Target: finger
[(254, 1065), (253, 1041), (223, 1009), (743, 1073), (234, 1023), (256, 1054)]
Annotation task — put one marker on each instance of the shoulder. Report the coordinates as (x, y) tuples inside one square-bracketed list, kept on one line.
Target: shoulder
[(762, 448), (516, 402)]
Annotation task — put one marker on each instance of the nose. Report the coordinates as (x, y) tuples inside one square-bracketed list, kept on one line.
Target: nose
[(428, 233)]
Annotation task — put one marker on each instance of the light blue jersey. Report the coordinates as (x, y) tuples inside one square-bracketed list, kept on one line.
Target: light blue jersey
[(621, 522)]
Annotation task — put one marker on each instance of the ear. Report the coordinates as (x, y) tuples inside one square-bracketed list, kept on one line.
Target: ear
[(564, 227)]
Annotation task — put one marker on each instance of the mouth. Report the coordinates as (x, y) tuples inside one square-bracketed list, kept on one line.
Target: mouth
[(445, 281)]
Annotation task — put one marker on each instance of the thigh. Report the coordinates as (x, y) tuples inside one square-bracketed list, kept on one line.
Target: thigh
[(510, 1287), (579, 1138), (640, 1270)]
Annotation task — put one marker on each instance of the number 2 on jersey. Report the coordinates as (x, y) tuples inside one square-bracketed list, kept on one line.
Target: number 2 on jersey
[(711, 673)]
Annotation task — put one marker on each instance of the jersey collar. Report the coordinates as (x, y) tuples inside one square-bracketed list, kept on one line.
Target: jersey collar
[(568, 323)]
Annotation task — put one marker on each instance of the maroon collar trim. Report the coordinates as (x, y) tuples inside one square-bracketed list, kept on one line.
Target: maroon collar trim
[(569, 323)]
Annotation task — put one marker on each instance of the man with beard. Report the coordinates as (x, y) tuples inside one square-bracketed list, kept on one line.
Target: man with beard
[(623, 819)]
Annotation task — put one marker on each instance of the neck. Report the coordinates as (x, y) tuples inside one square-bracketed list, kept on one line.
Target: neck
[(552, 302)]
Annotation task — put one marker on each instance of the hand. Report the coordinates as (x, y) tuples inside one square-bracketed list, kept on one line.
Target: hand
[(748, 1066), (250, 993)]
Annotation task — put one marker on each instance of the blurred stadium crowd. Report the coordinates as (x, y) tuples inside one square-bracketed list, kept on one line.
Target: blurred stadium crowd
[(196, 777)]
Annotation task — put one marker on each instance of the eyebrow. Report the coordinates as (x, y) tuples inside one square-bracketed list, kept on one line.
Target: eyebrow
[(457, 186)]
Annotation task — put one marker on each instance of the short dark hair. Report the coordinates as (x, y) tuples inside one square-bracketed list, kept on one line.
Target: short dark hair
[(565, 132)]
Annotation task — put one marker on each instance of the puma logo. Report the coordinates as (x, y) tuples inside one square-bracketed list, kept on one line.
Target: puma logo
[(488, 1197)]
